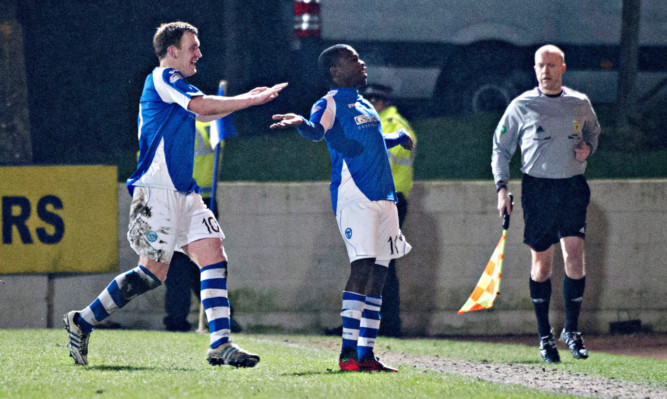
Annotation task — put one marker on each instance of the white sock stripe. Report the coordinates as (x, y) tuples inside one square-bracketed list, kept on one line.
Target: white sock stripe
[(216, 335), (353, 304), (370, 301), (352, 314), (212, 274), (369, 323), (367, 342), (88, 316), (372, 308), (217, 313), (213, 293), (351, 334), (107, 301)]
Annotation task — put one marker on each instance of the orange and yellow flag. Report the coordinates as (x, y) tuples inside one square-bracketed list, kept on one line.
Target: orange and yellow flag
[(488, 286)]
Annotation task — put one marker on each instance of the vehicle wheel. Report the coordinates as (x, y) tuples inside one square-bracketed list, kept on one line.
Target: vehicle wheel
[(482, 78), (493, 93)]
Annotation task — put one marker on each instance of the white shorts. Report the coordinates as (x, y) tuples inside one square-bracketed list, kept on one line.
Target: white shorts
[(370, 230), (162, 221)]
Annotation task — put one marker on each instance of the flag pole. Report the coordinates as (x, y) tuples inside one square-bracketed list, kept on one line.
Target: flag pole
[(506, 226), (488, 287), (222, 89)]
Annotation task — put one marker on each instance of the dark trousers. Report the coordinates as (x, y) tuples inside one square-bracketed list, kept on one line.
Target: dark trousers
[(390, 313), (182, 278)]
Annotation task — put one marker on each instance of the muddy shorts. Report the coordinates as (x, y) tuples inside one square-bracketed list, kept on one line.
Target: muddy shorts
[(162, 221)]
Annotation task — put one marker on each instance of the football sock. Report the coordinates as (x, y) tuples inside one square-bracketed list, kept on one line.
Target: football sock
[(119, 292), (216, 303), (353, 305), (573, 293), (369, 326), (540, 293)]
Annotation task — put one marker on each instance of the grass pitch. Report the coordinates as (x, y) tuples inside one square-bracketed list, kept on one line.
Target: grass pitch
[(156, 364)]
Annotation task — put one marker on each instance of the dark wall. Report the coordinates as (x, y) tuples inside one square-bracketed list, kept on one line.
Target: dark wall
[(86, 62)]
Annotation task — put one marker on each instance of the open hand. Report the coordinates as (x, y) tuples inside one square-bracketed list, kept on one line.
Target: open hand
[(286, 120), (261, 95)]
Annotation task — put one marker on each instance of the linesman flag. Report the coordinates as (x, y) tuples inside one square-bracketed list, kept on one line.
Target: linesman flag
[(488, 286), (223, 128)]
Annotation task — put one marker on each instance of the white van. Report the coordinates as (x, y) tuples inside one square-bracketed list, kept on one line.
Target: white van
[(476, 55)]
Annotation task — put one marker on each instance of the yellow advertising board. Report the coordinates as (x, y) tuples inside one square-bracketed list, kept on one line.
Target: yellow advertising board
[(58, 219)]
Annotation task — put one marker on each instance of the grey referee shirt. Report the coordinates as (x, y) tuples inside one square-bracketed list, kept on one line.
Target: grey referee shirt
[(547, 129)]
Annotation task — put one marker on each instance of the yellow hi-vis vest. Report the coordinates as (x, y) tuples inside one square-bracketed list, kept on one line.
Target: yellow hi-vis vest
[(401, 160), (204, 158)]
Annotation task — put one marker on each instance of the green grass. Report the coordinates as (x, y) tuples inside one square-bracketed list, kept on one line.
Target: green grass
[(153, 364)]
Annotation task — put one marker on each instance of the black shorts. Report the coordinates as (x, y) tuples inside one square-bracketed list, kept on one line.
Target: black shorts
[(553, 209)]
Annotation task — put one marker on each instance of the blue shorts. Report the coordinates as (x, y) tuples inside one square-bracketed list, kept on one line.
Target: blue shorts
[(553, 209)]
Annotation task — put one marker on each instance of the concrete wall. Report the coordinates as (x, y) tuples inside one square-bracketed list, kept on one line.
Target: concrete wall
[(288, 263)]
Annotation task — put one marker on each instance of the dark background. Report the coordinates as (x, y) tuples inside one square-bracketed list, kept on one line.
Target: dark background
[(86, 62)]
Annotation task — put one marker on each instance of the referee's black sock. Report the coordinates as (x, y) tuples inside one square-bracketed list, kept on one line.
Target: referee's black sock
[(573, 293), (540, 293)]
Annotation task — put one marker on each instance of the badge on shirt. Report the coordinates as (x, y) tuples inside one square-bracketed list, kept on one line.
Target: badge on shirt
[(174, 77)]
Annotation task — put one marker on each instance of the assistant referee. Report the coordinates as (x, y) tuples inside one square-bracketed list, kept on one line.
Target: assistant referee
[(557, 130)]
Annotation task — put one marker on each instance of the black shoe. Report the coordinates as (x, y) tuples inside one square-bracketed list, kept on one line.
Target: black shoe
[(574, 341), (548, 349)]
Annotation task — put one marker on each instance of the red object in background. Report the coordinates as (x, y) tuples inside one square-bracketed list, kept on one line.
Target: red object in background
[(307, 21)]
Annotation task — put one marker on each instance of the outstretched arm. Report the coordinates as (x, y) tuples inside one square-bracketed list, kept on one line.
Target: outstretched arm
[(210, 107), (310, 130)]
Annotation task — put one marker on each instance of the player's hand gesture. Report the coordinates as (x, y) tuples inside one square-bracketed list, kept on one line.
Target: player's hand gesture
[(261, 95), (286, 120)]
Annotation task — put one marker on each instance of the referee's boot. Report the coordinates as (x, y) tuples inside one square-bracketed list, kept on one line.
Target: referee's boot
[(575, 343), (548, 349)]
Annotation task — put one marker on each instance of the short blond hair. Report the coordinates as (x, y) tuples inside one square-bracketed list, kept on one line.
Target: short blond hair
[(550, 48)]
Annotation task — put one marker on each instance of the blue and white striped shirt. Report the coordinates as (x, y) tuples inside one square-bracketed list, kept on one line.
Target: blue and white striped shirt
[(359, 162), (166, 133)]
